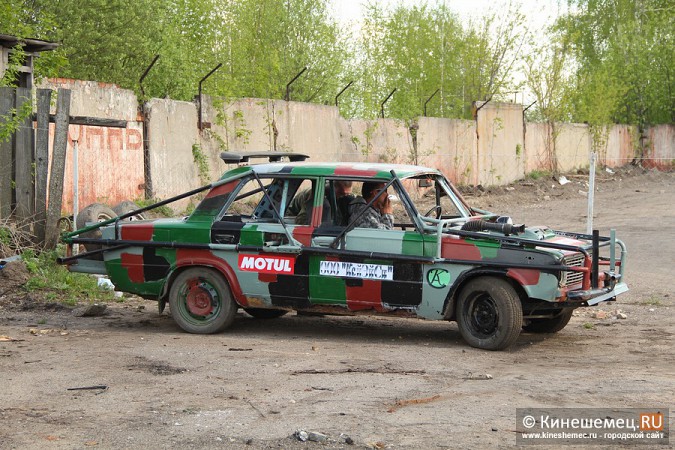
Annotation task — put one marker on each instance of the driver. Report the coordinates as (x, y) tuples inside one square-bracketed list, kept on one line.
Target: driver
[(379, 214)]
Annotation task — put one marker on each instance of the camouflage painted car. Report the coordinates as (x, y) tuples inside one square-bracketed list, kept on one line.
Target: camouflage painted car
[(442, 260)]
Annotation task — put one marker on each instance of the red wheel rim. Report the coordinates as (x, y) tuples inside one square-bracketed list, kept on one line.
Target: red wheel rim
[(199, 298)]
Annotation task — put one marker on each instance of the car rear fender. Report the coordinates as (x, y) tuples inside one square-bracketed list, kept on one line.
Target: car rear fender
[(450, 301)]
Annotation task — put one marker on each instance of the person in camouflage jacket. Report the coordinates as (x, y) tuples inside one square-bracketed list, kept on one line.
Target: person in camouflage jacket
[(378, 215)]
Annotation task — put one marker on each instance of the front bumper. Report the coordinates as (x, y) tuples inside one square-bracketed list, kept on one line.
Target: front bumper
[(592, 297)]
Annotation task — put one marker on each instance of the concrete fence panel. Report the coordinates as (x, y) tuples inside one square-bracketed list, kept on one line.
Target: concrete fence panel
[(621, 144), (110, 164), (94, 99), (380, 140), (500, 143), (538, 145), (660, 151), (572, 146), (172, 132), (494, 149), (448, 145)]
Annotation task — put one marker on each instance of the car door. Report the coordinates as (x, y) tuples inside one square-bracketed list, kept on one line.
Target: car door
[(265, 255), (371, 268)]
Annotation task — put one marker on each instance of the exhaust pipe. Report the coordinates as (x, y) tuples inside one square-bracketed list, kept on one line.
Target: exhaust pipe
[(504, 228)]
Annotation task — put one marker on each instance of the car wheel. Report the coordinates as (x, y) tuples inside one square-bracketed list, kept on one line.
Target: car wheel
[(126, 207), (201, 301), (489, 313), (94, 213), (263, 313), (552, 325)]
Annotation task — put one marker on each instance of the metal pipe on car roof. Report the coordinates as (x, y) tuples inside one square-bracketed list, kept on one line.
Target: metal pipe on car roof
[(200, 124)]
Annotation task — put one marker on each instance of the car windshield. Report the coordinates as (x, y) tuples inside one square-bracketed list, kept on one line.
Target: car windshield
[(433, 197)]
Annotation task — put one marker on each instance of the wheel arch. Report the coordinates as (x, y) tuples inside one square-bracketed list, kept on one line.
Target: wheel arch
[(223, 268), (450, 306)]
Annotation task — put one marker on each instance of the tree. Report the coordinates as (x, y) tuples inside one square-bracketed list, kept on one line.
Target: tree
[(624, 49), (423, 48)]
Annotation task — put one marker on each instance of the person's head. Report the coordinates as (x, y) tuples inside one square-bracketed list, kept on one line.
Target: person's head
[(370, 188), (343, 188)]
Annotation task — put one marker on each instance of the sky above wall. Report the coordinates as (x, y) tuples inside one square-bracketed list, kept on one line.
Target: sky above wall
[(539, 12)]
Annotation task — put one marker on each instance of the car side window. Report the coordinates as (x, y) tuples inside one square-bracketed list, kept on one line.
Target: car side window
[(299, 204), (290, 197)]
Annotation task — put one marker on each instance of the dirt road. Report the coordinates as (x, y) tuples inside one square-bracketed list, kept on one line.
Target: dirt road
[(378, 382)]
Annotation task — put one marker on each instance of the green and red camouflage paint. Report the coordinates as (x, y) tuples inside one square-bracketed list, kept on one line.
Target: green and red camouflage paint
[(419, 269)]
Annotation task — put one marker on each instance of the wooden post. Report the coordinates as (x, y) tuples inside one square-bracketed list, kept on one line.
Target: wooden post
[(6, 154), (41, 162), (58, 168), (24, 158)]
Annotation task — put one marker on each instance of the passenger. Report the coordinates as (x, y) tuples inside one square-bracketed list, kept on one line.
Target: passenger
[(301, 204), (343, 196), (379, 214)]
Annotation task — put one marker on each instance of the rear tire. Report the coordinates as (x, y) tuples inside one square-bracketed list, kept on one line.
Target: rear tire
[(201, 301), (94, 213), (263, 313), (128, 206), (489, 313), (552, 325)]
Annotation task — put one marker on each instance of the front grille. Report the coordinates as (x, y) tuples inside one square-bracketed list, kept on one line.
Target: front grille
[(570, 278)]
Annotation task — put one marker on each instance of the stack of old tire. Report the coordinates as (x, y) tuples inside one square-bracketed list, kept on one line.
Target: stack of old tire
[(99, 212)]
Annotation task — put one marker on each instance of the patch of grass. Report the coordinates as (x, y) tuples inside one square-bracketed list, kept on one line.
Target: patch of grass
[(588, 326), (651, 301), (56, 283), (163, 211), (537, 174)]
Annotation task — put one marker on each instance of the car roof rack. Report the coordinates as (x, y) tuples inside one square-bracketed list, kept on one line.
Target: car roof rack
[(241, 157)]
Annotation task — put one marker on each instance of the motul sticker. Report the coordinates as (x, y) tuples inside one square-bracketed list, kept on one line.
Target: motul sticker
[(267, 264)]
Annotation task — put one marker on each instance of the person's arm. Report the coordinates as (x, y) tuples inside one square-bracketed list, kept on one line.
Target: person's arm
[(372, 219)]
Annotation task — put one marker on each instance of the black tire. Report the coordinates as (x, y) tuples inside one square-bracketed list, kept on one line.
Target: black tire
[(552, 325), (263, 313), (201, 301), (94, 213), (128, 206), (489, 313)]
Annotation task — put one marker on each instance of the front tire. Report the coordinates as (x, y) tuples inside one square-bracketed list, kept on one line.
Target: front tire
[(489, 313), (201, 301), (552, 325)]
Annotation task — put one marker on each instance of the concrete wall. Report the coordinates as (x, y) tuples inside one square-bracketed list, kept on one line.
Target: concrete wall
[(172, 132), (538, 141), (660, 147), (449, 145), (110, 160), (572, 145), (500, 144), (621, 145), (495, 148)]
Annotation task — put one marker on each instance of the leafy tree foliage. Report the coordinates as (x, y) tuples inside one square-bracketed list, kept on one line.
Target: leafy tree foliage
[(605, 61), (424, 48), (626, 59)]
